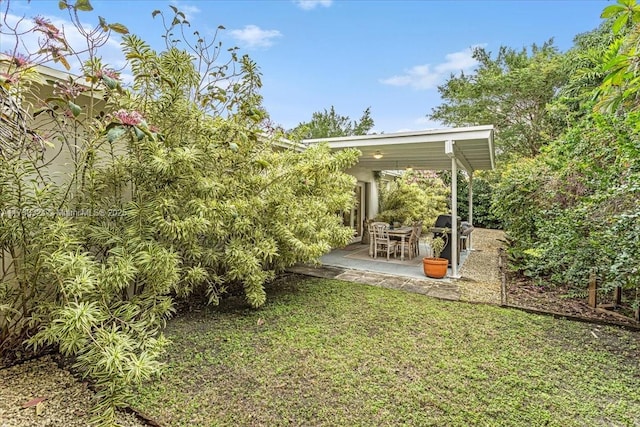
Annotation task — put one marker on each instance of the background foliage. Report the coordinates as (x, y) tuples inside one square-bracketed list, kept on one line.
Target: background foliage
[(566, 189), (483, 183), (329, 124)]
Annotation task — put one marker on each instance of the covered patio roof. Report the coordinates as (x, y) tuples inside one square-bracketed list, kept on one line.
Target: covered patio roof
[(469, 148), (427, 149)]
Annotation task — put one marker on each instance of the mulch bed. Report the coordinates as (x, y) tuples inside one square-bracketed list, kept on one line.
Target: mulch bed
[(559, 302)]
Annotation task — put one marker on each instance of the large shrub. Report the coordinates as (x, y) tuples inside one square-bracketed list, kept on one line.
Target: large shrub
[(573, 210), (521, 197), (417, 196), (173, 188)]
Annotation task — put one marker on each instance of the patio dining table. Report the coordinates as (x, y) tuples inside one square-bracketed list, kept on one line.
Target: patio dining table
[(404, 233)]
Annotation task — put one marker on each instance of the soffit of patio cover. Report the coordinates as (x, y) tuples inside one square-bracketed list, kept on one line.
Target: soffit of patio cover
[(422, 150)]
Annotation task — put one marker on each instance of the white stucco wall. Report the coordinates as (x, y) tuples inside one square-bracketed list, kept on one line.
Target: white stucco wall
[(366, 176)]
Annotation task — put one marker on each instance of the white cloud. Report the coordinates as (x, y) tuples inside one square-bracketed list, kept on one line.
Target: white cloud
[(425, 76), (7, 43), (418, 77), (457, 61), (253, 36), (311, 4)]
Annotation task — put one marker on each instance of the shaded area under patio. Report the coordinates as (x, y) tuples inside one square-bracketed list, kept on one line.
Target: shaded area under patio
[(479, 281)]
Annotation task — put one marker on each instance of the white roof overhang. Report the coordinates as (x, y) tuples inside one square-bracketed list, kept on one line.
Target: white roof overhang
[(472, 147)]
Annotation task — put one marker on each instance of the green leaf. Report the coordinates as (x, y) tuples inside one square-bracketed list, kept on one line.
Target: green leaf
[(75, 109), (155, 12), (103, 24), (62, 5), (83, 5), (119, 28), (611, 11), (39, 111), (139, 133), (115, 133), (55, 99), (109, 82), (619, 23), (263, 163)]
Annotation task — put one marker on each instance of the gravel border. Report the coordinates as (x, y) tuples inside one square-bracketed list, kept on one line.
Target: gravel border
[(67, 401)]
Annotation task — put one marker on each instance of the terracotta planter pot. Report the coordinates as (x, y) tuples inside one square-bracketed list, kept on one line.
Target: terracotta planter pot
[(435, 267)]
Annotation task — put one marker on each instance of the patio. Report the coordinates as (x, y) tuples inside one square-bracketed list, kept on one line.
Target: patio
[(479, 279), (468, 149), (356, 257)]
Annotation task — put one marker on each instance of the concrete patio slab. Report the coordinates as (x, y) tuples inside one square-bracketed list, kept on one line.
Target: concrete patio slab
[(479, 281)]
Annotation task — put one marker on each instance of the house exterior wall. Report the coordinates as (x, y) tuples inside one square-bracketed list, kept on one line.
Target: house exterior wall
[(371, 195)]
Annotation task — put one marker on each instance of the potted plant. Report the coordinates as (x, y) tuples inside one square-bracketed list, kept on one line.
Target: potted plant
[(435, 266)]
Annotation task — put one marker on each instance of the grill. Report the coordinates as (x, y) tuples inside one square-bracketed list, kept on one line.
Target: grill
[(444, 221)]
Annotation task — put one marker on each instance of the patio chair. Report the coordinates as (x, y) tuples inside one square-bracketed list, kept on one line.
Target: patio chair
[(381, 240), (465, 234), (409, 246), (412, 246), (414, 242)]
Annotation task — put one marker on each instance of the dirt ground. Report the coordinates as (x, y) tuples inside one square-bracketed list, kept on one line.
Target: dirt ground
[(523, 293)]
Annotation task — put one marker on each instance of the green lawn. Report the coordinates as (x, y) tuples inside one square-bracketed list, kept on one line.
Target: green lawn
[(332, 353)]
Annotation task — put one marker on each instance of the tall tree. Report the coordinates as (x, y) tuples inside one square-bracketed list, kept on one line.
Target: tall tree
[(328, 124), (583, 64), (510, 91)]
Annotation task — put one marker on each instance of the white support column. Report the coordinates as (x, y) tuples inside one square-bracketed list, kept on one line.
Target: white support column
[(454, 218), (470, 219), (450, 151)]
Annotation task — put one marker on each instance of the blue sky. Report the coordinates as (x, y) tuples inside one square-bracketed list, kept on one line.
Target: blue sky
[(351, 54)]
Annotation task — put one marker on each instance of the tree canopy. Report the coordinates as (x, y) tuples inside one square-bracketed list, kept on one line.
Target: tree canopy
[(509, 90), (328, 124)]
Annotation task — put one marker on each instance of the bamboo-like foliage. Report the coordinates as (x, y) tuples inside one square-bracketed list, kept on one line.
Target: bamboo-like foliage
[(173, 190), (413, 198)]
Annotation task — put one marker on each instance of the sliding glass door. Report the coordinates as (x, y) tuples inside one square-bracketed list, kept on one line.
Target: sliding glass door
[(355, 217)]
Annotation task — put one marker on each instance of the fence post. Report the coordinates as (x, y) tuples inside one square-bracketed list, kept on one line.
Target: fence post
[(617, 296), (503, 276), (593, 290)]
